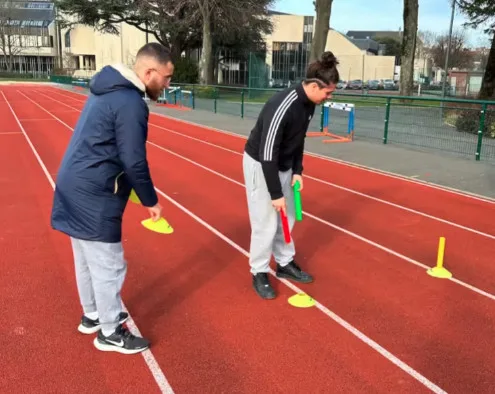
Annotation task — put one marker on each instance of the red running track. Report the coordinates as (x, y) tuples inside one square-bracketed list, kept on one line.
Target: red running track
[(217, 159), (391, 303), (403, 231), (41, 350)]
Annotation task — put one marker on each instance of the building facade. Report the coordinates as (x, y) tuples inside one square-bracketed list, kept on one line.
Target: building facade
[(81, 51), (28, 38), (289, 47)]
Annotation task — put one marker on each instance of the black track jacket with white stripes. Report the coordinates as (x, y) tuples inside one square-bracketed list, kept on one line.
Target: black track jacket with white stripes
[(277, 139)]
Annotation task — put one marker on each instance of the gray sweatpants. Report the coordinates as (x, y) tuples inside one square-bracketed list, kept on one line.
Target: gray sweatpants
[(267, 236), (100, 272)]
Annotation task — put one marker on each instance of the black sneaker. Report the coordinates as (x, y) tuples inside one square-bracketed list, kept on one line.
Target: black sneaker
[(90, 326), (121, 341), (293, 272), (262, 286)]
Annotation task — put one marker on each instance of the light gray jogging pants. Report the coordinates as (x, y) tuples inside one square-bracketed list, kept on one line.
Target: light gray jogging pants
[(100, 272), (267, 237)]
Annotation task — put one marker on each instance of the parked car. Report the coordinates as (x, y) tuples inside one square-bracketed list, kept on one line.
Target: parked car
[(355, 84), (374, 84), (342, 85), (277, 84), (389, 84)]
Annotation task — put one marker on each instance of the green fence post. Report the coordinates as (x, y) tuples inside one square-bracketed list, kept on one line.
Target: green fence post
[(193, 98), (480, 130), (242, 103), (387, 118), (215, 94)]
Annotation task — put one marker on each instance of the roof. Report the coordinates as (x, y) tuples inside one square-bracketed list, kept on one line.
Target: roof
[(272, 12), (365, 44), (28, 13), (370, 34)]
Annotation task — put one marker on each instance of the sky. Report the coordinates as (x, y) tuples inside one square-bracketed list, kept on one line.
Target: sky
[(434, 15)]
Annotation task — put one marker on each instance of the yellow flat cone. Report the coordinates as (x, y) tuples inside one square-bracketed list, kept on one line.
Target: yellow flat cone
[(160, 226), (134, 198), (301, 300), (439, 272)]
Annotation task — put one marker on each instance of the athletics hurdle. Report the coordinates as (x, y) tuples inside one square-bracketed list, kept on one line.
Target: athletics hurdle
[(190, 101), (167, 95), (347, 107), (174, 97)]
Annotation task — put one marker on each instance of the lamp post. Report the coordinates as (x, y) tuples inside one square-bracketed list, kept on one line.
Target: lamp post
[(448, 49)]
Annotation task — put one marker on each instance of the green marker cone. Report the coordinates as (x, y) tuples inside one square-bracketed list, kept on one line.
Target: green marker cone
[(297, 201)]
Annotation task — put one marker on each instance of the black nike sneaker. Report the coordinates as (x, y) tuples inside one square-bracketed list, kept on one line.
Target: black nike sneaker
[(121, 341), (90, 326)]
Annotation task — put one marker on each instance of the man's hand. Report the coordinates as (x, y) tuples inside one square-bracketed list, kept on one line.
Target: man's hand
[(296, 178), (155, 212), (279, 204)]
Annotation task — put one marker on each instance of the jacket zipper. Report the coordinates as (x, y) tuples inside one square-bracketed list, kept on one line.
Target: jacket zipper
[(116, 183)]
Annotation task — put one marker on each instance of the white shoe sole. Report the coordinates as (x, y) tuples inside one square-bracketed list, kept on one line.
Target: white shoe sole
[(88, 330)]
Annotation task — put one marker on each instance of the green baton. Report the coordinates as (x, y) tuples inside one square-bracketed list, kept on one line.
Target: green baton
[(297, 201)]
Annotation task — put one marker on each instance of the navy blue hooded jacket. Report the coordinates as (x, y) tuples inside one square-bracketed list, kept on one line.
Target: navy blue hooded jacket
[(105, 159)]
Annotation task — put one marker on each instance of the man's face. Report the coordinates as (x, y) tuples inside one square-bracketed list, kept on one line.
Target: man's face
[(157, 78)]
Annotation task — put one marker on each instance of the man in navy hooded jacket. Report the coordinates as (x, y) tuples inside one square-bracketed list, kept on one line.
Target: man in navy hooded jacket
[(105, 159)]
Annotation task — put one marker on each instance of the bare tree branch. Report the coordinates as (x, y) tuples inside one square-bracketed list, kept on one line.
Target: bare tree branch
[(460, 56)]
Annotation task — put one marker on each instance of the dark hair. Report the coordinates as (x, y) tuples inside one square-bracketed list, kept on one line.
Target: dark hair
[(324, 70), (156, 51)]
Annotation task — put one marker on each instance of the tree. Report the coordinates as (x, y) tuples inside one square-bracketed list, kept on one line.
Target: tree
[(323, 10), (428, 38), (225, 16), (482, 12), (460, 56), (10, 35), (206, 64), (180, 25), (408, 49), (392, 46), (169, 21), (237, 41)]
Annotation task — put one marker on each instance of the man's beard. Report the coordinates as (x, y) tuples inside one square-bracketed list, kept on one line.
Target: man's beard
[(153, 94)]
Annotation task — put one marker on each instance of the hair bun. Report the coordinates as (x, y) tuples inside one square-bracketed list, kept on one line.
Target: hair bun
[(328, 60)]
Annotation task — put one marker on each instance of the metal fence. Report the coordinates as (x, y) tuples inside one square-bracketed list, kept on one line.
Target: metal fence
[(457, 126)]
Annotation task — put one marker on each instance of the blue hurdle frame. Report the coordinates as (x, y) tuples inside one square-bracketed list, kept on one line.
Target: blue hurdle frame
[(347, 107), (175, 95)]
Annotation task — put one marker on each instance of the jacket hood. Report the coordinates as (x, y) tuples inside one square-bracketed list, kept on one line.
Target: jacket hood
[(115, 77)]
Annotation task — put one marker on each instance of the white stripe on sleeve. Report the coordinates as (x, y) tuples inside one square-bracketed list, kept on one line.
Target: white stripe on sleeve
[(275, 124)]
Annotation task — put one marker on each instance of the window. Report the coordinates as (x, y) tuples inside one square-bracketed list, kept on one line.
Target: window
[(32, 23), (39, 6), (289, 62), (67, 39), (308, 20)]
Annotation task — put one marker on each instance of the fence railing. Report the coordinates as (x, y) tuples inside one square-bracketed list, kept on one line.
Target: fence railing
[(27, 76), (458, 126)]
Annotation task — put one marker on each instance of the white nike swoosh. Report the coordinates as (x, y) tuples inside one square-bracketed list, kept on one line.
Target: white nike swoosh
[(121, 343)]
